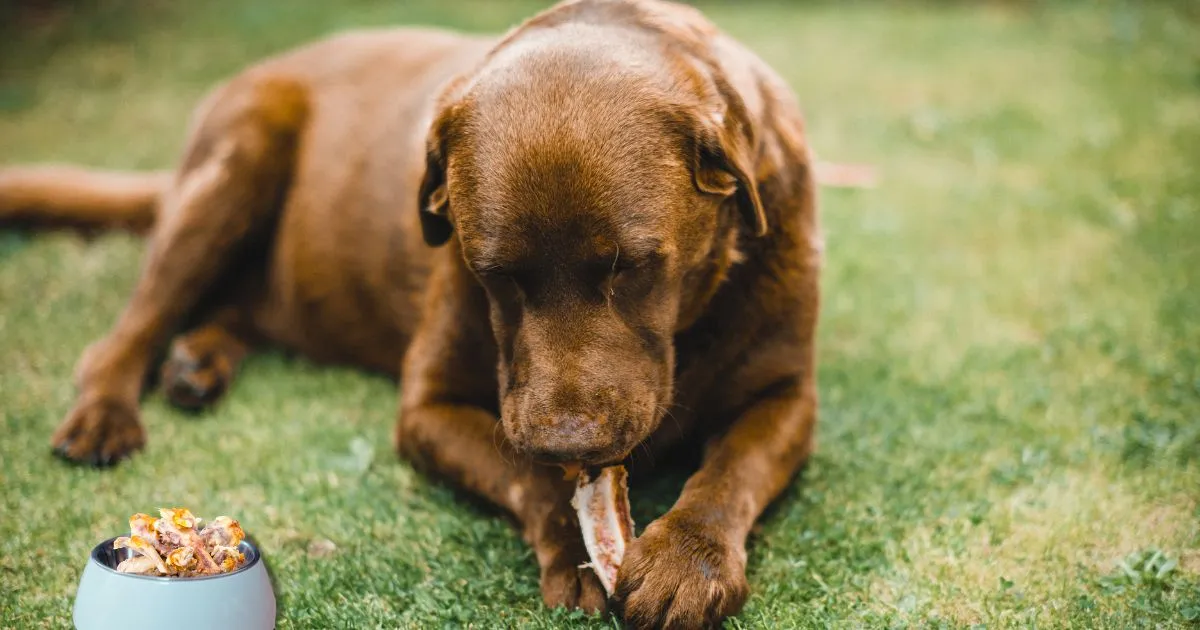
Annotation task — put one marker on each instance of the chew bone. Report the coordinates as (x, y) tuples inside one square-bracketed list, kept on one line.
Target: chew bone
[(602, 505)]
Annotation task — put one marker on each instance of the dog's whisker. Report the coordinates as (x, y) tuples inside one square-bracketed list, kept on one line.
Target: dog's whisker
[(680, 405), (498, 443), (612, 292), (666, 410), (644, 446)]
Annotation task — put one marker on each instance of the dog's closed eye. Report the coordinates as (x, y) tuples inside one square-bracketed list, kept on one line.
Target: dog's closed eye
[(497, 271)]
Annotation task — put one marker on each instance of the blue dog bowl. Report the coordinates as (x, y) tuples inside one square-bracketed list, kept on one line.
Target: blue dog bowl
[(108, 600)]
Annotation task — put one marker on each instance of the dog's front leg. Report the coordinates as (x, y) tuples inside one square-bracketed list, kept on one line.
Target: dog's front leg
[(687, 570), (457, 443), (449, 427)]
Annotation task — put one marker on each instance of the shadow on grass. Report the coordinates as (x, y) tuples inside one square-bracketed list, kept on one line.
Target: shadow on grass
[(12, 243)]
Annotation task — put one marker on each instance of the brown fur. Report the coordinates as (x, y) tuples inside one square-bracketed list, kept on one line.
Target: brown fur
[(624, 207)]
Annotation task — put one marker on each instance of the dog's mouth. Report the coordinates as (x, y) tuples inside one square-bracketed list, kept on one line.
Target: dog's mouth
[(572, 470)]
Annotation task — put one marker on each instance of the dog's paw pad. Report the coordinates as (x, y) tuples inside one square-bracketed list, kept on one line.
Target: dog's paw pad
[(194, 383)]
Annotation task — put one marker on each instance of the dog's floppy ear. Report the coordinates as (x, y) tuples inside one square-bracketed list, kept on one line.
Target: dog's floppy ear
[(724, 142), (433, 200)]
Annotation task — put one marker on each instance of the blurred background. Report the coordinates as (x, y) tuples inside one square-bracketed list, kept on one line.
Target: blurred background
[(1010, 346)]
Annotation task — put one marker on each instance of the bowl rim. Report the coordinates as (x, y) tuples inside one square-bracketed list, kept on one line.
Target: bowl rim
[(247, 547)]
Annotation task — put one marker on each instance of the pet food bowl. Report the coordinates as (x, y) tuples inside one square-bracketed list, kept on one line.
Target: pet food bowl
[(238, 600)]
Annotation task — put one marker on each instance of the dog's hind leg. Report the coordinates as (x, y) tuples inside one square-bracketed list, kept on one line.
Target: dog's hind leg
[(203, 361), (225, 199), (204, 357)]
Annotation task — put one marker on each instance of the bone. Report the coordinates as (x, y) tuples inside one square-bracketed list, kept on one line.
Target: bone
[(602, 505), (175, 545)]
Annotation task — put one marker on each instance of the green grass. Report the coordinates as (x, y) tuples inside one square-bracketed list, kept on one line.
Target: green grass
[(1010, 343)]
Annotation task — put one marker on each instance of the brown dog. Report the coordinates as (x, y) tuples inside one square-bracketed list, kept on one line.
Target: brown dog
[(622, 205)]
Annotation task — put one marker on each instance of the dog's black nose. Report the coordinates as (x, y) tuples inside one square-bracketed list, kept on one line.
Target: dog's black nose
[(569, 438)]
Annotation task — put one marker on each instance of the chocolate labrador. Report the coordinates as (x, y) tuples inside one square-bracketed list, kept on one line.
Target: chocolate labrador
[(598, 231)]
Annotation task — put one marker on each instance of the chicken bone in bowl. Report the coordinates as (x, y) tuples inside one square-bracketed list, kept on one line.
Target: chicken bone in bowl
[(178, 544)]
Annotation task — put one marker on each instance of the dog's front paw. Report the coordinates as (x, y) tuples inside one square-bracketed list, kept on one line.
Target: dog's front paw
[(681, 573), (99, 432), (564, 583), (551, 529)]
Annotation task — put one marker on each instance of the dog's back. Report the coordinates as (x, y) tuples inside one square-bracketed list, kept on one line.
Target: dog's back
[(348, 262), (345, 257)]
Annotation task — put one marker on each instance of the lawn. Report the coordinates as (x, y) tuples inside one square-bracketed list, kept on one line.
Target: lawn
[(1010, 342)]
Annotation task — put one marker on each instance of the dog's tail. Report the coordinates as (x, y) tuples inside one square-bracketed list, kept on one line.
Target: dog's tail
[(61, 196), (835, 175)]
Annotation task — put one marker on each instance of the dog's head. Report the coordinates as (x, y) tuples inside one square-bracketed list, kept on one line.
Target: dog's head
[(597, 189)]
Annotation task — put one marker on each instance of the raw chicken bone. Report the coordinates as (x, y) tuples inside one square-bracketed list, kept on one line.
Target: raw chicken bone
[(176, 545), (602, 505)]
